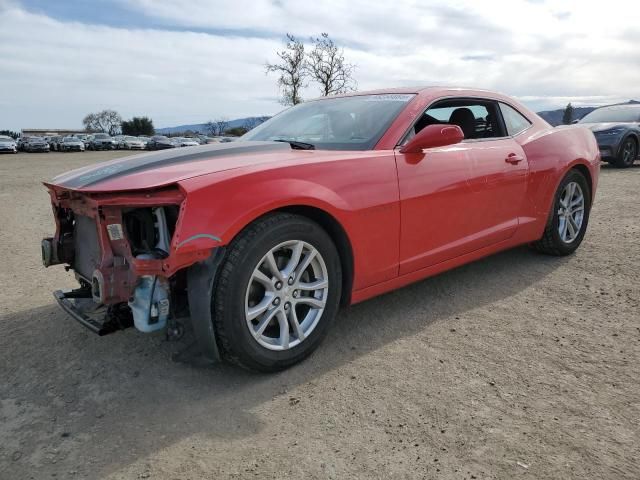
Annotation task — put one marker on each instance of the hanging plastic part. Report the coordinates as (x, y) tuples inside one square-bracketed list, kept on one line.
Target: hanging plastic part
[(150, 302), (162, 230)]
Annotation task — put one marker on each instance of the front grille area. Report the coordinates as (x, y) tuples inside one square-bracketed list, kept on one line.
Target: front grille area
[(86, 246)]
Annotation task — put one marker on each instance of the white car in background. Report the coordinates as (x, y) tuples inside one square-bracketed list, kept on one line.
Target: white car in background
[(8, 144), (132, 143), (186, 142)]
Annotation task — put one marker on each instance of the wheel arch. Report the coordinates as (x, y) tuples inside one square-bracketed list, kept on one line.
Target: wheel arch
[(584, 170), (331, 225), (635, 136)]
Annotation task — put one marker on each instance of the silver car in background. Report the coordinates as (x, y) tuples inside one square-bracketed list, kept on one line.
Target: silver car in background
[(36, 144), (132, 143), (71, 144), (186, 142), (102, 141), (8, 144)]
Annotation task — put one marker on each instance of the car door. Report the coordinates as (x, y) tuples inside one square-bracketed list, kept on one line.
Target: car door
[(462, 197)]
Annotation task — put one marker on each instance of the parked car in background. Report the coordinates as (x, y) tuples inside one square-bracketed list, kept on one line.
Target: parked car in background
[(268, 237), (21, 142), (53, 142), (131, 143), (87, 141), (617, 130), (8, 144), (102, 141), (160, 142), (71, 144), (186, 142), (36, 144)]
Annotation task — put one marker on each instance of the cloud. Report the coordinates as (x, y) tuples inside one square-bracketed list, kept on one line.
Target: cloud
[(186, 61)]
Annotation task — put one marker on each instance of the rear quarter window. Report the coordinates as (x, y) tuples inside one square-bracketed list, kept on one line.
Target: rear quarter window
[(514, 120)]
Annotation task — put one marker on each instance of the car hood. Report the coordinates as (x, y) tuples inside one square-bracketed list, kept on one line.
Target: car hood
[(599, 127), (158, 169), (7, 142)]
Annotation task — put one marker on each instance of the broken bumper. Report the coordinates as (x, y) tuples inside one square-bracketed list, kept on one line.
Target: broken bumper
[(85, 311)]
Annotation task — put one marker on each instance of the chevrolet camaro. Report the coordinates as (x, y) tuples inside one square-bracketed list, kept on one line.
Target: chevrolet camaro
[(254, 245)]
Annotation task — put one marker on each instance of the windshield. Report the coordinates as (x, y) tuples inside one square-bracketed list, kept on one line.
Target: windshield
[(70, 139), (623, 114), (36, 139), (344, 123), (101, 135)]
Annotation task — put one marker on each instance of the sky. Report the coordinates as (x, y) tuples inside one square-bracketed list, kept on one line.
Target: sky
[(189, 61)]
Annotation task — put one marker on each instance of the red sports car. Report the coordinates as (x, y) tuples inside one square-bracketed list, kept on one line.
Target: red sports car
[(331, 202)]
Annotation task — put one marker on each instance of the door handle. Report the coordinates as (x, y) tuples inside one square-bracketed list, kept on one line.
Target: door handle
[(514, 158)]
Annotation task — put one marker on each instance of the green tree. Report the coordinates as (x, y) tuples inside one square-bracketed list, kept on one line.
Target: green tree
[(138, 126), (567, 116), (236, 131), (10, 133)]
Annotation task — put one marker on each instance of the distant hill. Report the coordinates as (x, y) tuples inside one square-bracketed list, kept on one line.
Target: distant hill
[(554, 117), (201, 127)]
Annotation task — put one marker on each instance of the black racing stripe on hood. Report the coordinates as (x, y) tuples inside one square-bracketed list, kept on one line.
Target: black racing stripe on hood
[(138, 163)]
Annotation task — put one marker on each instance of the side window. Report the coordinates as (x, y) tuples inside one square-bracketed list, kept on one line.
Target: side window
[(514, 120), (476, 117)]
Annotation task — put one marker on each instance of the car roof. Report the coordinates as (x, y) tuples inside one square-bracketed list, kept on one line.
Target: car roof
[(425, 89)]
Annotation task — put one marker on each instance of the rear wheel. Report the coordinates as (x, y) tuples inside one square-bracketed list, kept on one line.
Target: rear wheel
[(277, 292), (627, 154), (568, 221)]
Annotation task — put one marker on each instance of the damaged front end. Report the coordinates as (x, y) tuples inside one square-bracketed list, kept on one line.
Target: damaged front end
[(132, 265)]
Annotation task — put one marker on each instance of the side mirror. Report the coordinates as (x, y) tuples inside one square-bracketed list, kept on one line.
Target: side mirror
[(438, 135), (573, 122)]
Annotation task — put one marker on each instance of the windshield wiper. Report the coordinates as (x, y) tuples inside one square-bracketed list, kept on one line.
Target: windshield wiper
[(298, 145)]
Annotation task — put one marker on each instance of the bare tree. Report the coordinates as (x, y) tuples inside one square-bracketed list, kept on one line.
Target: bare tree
[(216, 127), (326, 65), (291, 69), (107, 121), (221, 125), (252, 122), (210, 128)]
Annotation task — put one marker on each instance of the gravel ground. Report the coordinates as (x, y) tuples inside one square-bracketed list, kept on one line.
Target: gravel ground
[(519, 365)]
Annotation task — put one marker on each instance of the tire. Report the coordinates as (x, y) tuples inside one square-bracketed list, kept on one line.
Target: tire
[(236, 284), (627, 154), (552, 242)]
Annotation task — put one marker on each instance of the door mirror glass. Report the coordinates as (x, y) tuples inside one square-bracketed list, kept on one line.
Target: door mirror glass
[(438, 135)]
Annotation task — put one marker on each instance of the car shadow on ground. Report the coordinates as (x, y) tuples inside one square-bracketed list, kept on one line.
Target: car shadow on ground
[(71, 389)]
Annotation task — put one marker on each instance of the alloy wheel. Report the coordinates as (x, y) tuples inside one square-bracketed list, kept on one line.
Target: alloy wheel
[(286, 295), (629, 152), (571, 212)]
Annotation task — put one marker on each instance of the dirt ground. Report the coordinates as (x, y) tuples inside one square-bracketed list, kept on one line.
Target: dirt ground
[(517, 366)]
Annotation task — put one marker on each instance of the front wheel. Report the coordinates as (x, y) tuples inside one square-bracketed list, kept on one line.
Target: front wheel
[(277, 292), (568, 220)]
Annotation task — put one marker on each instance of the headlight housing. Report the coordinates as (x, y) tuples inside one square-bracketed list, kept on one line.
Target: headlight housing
[(610, 132)]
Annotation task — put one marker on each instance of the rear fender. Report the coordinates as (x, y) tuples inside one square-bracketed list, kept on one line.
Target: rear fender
[(551, 155)]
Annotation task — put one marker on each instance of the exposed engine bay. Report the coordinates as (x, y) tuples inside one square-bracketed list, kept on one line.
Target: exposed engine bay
[(123, 260)]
